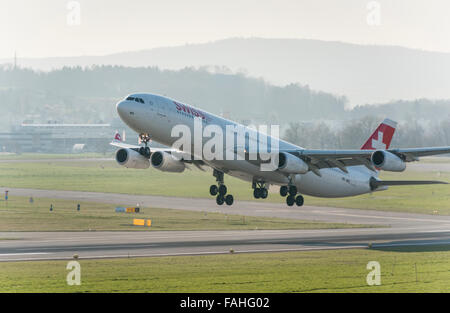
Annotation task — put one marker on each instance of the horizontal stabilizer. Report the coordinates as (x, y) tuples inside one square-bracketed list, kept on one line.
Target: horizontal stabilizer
[(375, 183)]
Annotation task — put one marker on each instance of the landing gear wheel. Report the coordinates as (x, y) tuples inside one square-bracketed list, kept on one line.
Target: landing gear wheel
[(257, 193), (229, 199), (220, 200), (292, 190), (283, 191), (290, 200), (213, 190), (264, 193), (145, 138), (299, 200), (260, 189), (145, 151), (222, 190)]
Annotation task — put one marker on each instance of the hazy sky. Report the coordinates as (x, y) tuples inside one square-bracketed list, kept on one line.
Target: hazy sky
[(41, 28)]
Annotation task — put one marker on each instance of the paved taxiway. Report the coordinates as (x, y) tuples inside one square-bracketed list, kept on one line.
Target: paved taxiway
[(400, 229)]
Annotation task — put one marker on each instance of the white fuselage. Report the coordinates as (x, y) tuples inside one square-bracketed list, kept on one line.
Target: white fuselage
[(158, 115)]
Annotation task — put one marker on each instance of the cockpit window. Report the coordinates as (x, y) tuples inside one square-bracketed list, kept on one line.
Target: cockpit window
[(140, 100)]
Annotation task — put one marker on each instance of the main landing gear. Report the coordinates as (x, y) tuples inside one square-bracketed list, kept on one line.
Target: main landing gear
[(260, 190), (291, 192), (220, 190)]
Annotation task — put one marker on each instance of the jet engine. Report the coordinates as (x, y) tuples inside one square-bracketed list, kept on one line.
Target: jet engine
[(288, 163), (131, 159), (387, 161), (166, 162)]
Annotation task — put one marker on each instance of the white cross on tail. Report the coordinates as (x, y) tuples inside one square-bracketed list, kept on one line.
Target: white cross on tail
[(379, 144)]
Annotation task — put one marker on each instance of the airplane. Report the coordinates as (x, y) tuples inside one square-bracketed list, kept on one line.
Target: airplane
[(298, 171)]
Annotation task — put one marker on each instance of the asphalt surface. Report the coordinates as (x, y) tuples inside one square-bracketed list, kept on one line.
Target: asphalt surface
[(399, 229), (64, 245)]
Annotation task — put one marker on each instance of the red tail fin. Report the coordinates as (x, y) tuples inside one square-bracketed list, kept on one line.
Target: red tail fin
[(381, 137)]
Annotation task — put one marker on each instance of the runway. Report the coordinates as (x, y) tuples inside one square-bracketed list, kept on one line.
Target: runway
[(398, 229), (64, 245)]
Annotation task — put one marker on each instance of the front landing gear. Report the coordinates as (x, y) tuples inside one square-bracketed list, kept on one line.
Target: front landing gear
[(145, 151), (291, 193), (220, 190)]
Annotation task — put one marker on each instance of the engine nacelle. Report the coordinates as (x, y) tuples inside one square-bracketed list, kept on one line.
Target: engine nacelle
[(166, 162), (131, 159), (387, 161), (288, 163)]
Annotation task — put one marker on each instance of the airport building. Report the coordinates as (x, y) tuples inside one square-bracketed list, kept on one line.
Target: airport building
[(54, 137)]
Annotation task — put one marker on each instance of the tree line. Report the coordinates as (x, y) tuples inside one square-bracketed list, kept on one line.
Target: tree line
[(89, 94), (352, 134), (75, 92)]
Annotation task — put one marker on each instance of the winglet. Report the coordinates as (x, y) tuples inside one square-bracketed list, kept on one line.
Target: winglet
[(381, 137), (118, 142), (117, 137)]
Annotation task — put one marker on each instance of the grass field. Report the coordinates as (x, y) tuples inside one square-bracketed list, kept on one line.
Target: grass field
[(19, 215), (107, 176), (313, 271), (428, 199)]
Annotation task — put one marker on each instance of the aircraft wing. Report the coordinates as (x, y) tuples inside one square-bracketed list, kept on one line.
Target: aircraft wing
[(412, 154), (186, 158), (121, 144), (318, 159), (375, 183)]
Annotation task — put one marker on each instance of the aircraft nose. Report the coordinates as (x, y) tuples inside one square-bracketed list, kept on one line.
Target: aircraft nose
[(123, 108), (120, 107)]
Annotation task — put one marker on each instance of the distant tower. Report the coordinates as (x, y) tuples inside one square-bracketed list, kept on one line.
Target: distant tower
[(15, 59)]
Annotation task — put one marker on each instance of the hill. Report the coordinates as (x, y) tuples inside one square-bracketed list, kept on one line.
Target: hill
[(362, 73)]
